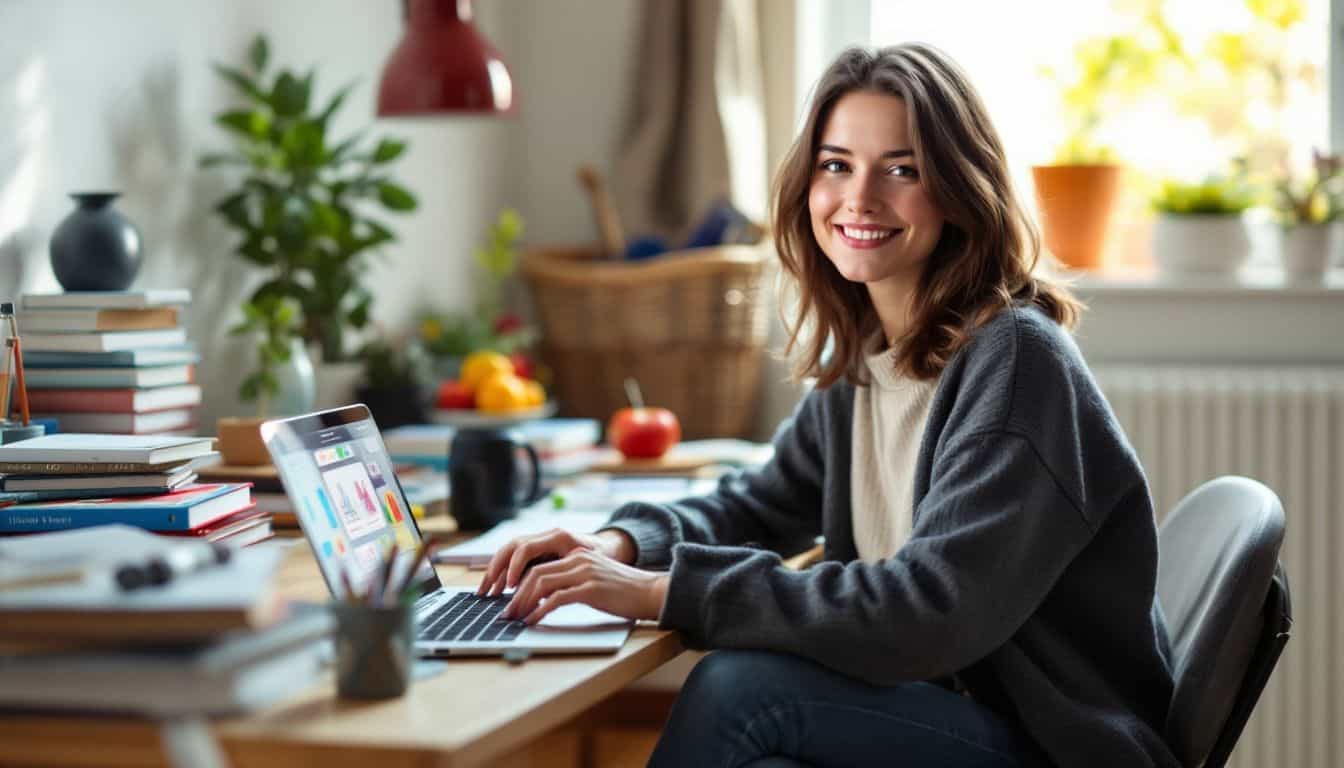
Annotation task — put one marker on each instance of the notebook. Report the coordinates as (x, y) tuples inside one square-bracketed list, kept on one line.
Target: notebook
[(73, 447), (239, 594)]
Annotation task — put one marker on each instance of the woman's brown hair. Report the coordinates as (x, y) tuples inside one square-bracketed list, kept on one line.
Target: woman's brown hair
[(984, 260)]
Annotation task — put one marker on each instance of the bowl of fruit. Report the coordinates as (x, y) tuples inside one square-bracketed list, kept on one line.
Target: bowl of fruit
[(491, 390)]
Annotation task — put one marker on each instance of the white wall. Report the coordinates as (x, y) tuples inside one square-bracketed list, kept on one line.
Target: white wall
[(120, 95)]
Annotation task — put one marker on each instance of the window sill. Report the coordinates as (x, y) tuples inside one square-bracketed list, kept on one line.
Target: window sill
[(1255, 318)]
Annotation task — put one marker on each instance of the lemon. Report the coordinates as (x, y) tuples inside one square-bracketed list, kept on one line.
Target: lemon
[(480, 366), (502, 392), (536, 395)]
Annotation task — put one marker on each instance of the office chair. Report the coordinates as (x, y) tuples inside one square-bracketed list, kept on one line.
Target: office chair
[(1226, 601)]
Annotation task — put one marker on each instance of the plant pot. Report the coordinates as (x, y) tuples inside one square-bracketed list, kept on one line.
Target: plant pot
[(394, 407), (334, 382), (1304, 251), (95, 248), (1200, 243), (1077, 204), (240, 441)]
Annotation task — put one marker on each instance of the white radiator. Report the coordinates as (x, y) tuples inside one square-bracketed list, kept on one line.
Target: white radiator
[(1285, 428)]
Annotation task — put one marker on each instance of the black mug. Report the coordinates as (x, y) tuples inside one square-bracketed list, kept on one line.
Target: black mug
[(486, 484)]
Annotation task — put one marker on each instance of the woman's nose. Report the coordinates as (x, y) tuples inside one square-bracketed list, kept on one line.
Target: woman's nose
[(859, 195)]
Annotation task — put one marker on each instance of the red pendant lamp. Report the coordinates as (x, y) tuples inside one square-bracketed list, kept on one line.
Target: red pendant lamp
[(442, 65)]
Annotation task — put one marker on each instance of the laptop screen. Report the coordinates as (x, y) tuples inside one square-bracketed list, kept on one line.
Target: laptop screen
[(347, 499)]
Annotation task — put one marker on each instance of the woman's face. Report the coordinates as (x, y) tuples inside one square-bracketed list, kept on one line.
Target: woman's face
[(870, 211)]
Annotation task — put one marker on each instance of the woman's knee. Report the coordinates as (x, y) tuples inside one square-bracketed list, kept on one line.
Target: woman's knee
[(728, 678)]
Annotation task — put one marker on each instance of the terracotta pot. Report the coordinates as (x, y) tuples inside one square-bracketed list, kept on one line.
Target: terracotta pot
[(240, 441), (1077, 203)]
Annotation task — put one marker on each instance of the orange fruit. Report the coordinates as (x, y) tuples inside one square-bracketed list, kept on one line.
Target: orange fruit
[(501, 393), (536, 395), (480, 366)]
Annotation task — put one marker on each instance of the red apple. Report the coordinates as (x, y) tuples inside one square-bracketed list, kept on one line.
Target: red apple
[(643, 433), (454, 394)]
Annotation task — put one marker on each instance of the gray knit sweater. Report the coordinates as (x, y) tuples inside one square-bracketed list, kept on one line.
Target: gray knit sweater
[(1029, 575)]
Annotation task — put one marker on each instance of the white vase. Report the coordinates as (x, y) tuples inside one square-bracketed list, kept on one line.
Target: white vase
[(335, 382), (298, 389), (1200, 244), (1305, 251)]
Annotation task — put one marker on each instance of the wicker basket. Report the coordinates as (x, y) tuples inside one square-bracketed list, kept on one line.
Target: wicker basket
[(689, 326)]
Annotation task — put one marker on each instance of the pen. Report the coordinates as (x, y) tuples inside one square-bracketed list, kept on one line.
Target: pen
[(173, 564)]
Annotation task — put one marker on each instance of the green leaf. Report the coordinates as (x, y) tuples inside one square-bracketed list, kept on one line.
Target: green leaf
[(258, 52), (335, 103), (245, 84), (289, 97), (248, 123), (234, 209), (388, 150), (359, 315), (303, 142), (251, 387), (212, 159), (395, 197), (339, 151)]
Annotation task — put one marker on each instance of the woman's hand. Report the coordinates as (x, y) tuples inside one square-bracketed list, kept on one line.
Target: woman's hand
[(588, 576), (507, 566)]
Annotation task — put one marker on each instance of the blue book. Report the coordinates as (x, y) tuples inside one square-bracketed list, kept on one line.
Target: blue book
[(183, 354), (181, 510)]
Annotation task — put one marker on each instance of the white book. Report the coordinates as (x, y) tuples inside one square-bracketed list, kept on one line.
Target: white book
[(107, 299), (107, 378), (72, 447), (124, 423), (239, 672), (72, 320), (102, 342)]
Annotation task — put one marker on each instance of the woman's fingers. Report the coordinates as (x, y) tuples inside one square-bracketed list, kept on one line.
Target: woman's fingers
[(578, 594), (542, 581), (498, 562), (556, 542)]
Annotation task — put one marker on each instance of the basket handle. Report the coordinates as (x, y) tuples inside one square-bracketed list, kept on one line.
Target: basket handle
[(608, 219)]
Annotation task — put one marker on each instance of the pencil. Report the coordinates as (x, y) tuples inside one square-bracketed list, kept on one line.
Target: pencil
[(345, 583), (18, 376), (426, 544)]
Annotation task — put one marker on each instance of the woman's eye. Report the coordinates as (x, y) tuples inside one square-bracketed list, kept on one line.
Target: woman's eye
[(906, 171), (833, 166)]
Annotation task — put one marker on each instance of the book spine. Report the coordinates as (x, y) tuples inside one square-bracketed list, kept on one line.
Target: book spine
[(82, 401), (55, 519), (73, 468)]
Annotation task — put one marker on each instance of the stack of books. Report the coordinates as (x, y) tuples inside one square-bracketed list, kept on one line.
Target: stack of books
[(110, 362), (566, 447), (71, 480), (212, 637)]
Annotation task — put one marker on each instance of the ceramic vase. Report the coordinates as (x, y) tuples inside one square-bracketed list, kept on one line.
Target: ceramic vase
[(95, 248), (297, 381), (1077, 204), (1305, 251), (1200, 244)]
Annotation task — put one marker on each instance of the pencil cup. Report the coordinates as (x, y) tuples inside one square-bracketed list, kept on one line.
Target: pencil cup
[(374, 650)]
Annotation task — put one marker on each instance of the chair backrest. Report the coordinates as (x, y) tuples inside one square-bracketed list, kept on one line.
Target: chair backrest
[(1217, 558)]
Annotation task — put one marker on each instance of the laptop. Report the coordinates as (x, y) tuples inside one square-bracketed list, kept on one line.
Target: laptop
[(350, 505)]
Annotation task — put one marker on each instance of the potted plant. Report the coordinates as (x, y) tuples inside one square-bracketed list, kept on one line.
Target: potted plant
[(392, 384), (305, 205), (1306, 210), (1200, 227), (1077, 194), (283, 373)]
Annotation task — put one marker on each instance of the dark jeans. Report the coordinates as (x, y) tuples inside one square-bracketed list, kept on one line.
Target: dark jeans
[(759, 709)]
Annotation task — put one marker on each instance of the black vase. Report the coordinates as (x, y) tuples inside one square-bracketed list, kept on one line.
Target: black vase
[(95, 248)]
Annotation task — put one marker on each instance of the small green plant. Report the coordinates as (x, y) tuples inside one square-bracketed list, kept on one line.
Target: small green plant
[(304, 206), (391, 367), (489, 326), (1214, 195), (1316, 199), (273, 320)]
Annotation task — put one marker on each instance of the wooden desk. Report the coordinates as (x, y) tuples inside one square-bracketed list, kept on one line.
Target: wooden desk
[(473, 712)]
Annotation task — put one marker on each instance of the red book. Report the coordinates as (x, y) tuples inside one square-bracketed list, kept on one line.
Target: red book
[(113, 400)]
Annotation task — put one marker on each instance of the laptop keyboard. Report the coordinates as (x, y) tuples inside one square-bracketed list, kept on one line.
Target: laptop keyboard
[(467, 618)]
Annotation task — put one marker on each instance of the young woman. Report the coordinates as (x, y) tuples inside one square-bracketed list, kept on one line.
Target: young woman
[(987, 592)]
